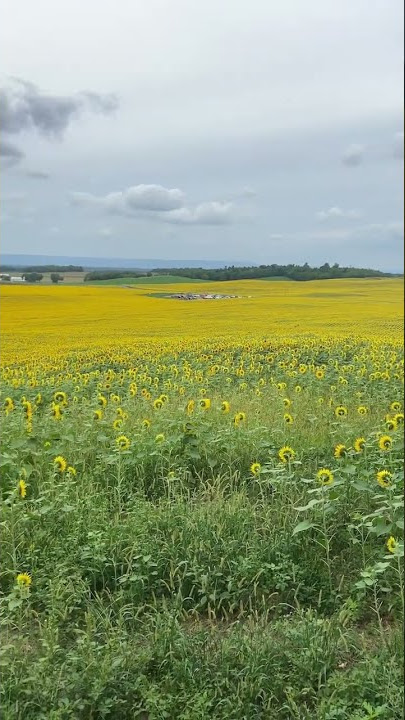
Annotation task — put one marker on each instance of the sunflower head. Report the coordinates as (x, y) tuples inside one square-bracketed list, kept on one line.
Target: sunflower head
[(395, 406), (60, 464), (325, 476), (391, 424), (286, 454), (205, 403), (60, 397), (385, 443), (22, 488), (384, 478), (359, 444), (56, 412), (71, 471), (340, 451), (399, 418), (341, 411), (319, 374), (102, 400), (146, 423), (392, 544), (362, 410), (286, 402), (159, 438), (190, 407), (117, 423), (255, 468), (298, 388), (8, 404), (164, 398), (98, 415), (123, 443), (225, 406), (288, 419), (23, 580)]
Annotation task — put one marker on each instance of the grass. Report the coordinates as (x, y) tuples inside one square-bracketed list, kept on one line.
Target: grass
[(179, 565)]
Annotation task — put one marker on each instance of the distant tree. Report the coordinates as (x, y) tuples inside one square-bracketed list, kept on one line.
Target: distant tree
[(55, 277), (33, 277)]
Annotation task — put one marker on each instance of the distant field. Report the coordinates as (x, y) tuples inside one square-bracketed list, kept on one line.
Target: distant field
[(154, 280)]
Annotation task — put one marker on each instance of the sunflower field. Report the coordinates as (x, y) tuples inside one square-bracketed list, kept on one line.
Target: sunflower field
[(202, 502)]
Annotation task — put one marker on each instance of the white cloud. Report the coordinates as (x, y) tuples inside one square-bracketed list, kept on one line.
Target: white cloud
[(208, 213), (106, 232), (399, 145), (353, 155), (335, 212)]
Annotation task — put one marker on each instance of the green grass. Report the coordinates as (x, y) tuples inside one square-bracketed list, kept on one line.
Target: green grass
[(154, 280)]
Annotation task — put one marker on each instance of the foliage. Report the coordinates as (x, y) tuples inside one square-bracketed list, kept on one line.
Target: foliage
[(56, 277), (32, 277)]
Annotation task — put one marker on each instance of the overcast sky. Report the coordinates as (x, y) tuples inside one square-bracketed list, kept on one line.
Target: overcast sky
[(246, 130)]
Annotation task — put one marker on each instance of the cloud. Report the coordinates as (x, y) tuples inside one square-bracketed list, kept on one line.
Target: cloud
[(10, 152), (353, 155), (37, 175), (399, 145), (208, 213), (24, 107), (106, 232), (335, 212), (148, 198)]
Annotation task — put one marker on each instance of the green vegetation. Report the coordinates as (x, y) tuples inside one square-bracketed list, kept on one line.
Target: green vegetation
[(32, 277), (146, 280), (292, 272)]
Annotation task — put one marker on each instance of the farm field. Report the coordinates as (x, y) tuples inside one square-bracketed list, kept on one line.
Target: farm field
[(202, 502)]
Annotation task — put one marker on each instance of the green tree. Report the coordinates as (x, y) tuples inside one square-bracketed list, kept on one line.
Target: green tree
[(55, 277)]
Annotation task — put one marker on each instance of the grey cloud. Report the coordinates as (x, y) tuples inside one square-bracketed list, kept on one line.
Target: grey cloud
[(335, 212), (399, 145), (208, 213), (353, 155), (37, 175), (149, 198), (10, 152)]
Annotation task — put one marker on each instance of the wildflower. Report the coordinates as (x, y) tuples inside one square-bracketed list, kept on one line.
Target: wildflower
[(384, 478), (359, 444), (340, 451), (205, 403), (395, 406), (123, 442), (71, 471), (60, 464), (286, 454), (325, 476), (255, 468), (341, 411), (385, 443), (225, 406), (159, 438), (362, 410), (392, 544), (288, 419), (146, 423), (98, 415), (22, 488), (24, 580)]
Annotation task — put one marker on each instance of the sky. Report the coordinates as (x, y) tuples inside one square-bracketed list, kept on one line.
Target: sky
[(258, 131)]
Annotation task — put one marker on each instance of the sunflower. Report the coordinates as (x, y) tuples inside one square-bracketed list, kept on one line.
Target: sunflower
[(286, 402), (24, 580), (390, 424), (319, 373), (159, 438), (205, 403), (158, 403), (71, 471), (60, 397), (8, 405), (340, 451), (255, 468), (117, 423), (102, 400), (146, 423), (60, 464), (362, 410), (288, 419), (385, 443), (56, 412), (325, 476), (286, 454), (190, 407), (98, 415), (38, 399), (239, 417), (281, 386), (298, 388), (341, 411), (392, 544), (27, 409), (399, 418), (225, 406), (22, 488), (395, 406), (384, 478), (359, 444), (123, 442), (164, 398)]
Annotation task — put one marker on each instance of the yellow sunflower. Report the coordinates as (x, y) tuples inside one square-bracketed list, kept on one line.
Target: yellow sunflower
[(362, 410), (395, 406), (341, 411), (102, 400), (225, 406), (384, 478), (399, 418), (359, 444), (22, 488), (385, 443), (8, 405), (60, 464), (340, 451), (255, 468), (158, 404), (288, 419), (146, 423), (286, 454), (123, 442), (392, 544), (325, 476), (117, 423), (71, 471), (24, 580), (60, 397), (159, 438), (98, 415), (190, 407), (205, 403), (286, 402)]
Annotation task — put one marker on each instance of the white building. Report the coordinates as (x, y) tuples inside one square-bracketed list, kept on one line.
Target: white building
[(16, 279)]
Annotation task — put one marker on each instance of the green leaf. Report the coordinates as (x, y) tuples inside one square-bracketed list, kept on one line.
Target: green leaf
[(304, 525), (311, 504)]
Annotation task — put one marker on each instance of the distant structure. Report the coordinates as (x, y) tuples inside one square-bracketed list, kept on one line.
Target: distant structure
[(200, 296), (16, 279)]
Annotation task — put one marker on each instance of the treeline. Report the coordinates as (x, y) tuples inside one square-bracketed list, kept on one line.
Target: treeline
[(291, 272), (42, 268), (113, 274)]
